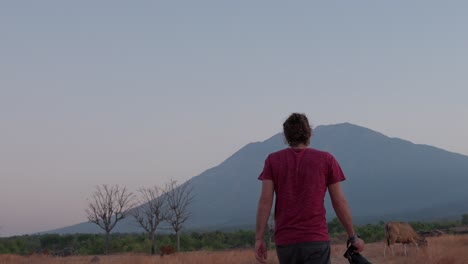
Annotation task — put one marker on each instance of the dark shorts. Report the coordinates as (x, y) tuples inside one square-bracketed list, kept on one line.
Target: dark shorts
[(304, 253)]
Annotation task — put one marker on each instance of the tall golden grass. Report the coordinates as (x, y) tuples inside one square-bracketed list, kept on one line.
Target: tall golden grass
[(441, 250)]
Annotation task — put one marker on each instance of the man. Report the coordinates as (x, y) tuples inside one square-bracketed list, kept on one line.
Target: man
[(300, 177)]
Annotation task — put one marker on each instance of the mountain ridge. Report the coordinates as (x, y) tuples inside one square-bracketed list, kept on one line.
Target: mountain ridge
[(386, 177)]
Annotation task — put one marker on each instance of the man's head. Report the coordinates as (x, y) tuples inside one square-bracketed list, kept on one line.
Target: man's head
[(297, 130)]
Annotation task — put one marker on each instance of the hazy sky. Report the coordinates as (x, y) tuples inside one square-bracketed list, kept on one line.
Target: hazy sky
[(137, 92)]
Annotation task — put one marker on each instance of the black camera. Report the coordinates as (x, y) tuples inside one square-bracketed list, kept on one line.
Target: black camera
[(354, 257)]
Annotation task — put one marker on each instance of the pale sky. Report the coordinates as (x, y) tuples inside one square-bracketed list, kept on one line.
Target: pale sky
[(137, 92)]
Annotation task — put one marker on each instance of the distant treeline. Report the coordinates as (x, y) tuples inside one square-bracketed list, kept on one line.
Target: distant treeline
[(92, 244)]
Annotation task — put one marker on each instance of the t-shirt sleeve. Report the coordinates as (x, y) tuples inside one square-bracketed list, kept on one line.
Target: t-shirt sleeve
[(335, 174), (267, 172)]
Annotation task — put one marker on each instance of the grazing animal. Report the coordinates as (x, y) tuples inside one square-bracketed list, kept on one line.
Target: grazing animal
[(401, 232), (167, 250)]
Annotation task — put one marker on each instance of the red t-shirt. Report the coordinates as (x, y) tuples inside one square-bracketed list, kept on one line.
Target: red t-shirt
[(300, 178)]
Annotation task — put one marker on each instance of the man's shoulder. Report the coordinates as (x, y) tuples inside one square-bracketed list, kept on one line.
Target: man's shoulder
[(318, 152), (321, 155), (309, 151), (278, 153)]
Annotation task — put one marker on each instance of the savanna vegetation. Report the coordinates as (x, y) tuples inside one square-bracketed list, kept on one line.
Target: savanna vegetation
[(446, 249), (93, 244)]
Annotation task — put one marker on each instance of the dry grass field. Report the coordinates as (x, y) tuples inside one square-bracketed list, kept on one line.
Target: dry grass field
[(441, 250)]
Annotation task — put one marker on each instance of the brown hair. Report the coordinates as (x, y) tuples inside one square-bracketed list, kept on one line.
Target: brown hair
[(297, 130)]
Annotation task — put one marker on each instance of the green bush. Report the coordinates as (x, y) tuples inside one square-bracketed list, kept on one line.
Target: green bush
[(93, 244)]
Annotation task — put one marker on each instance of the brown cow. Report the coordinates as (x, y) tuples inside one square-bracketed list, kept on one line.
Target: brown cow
[(167, 250), (401, 232)]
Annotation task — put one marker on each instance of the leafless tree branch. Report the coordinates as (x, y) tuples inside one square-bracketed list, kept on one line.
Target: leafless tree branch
[(151, 211), (179, 198), (107, 206)]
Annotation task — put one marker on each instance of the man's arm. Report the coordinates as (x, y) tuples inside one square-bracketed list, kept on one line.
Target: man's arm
[(264, 207), (344, 213), (263, 212)]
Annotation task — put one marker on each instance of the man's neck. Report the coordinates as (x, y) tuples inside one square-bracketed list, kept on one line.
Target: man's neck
[(300, 146)]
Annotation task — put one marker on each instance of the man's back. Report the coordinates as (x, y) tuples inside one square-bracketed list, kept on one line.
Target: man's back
[(300, 178)]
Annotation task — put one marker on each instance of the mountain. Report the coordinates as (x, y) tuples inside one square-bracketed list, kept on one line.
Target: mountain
[(387, 178)]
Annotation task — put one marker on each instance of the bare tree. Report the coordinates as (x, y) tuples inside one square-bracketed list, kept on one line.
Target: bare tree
[(108, 206), (151, 211), (178, 198)]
